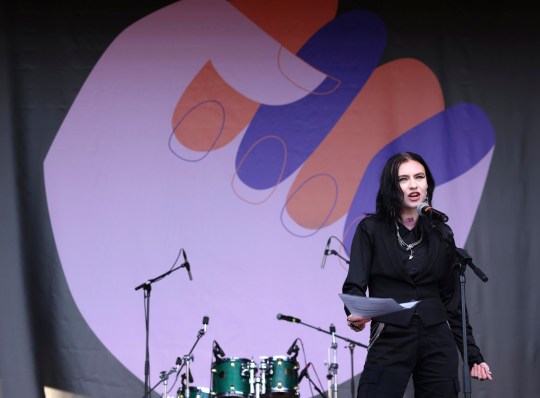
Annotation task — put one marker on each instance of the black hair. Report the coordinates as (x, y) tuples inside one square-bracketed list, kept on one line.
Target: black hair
[(390, 196)]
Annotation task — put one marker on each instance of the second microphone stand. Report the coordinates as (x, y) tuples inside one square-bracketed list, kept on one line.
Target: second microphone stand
[(333, 365)]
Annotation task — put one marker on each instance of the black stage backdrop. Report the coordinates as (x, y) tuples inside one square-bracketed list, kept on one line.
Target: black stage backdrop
[(486, 54)]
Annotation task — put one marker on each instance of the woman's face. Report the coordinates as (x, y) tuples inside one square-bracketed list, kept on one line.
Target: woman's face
[(413, 183)]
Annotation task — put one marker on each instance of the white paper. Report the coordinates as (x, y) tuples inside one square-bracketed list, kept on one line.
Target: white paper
[(370, 307)]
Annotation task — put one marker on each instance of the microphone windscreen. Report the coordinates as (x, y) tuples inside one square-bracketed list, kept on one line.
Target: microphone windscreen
[(420, 208)]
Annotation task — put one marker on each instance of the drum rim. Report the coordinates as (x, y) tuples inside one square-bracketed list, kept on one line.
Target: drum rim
[(197, 388), (282, 357), (233, 359)]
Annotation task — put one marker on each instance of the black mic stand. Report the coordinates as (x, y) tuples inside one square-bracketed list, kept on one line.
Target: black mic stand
[(463, 260), (328, 252), (335, 253), (147, 286), (352, 344)]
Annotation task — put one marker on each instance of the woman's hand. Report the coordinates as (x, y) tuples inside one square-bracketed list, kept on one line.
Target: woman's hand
[(481, 372), (357, 322)]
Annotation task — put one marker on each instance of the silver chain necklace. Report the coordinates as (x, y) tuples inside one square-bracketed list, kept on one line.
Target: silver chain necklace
[(408, 247)]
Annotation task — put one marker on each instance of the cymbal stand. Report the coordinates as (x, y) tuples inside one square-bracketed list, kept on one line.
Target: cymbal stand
[(187, 360), (164, 376)]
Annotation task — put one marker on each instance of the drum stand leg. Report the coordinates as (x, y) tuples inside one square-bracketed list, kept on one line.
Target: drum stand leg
[(257, 387), (263, 379), (253, 381), (164, 378), (187, 360)]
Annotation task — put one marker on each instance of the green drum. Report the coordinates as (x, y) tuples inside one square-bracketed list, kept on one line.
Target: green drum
[(194, 392), (230, 377), (281, 376)]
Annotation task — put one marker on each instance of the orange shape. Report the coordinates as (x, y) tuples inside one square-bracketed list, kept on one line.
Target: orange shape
[(398, 96), (290, 23), (210, 113)]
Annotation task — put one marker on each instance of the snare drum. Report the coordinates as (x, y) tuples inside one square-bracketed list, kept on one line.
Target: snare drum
[(230, 377), (281, 376), (194, 392)]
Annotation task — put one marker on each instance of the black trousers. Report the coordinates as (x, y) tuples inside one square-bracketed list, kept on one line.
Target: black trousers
[(429, 354)]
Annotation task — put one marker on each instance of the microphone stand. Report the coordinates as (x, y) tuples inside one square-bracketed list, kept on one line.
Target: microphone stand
[(147, 287), (329, 251), (352, 344), (463, 260), (335, 253)]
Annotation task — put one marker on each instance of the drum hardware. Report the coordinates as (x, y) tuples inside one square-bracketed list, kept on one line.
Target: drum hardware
[(164, 377), (252, 373), (186, 390), (180, 363), (187, 379), (263, 366)]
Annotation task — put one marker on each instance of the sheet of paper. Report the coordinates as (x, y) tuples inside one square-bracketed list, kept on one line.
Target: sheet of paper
[(373, 306)]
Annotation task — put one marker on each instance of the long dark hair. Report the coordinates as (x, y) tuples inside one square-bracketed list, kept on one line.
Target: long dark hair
[(390, 195)]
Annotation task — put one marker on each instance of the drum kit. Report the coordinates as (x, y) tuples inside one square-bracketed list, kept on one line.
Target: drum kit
[(234, 377), (272, 377)]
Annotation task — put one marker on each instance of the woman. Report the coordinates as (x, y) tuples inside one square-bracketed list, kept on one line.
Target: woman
[(397, 254)]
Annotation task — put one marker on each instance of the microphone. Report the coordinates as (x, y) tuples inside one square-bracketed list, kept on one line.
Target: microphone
[(293, 347), (217, 350), (304, 372), (179, 363), (425, 209), (205, 323), (186, 264), (326, 252), (288, 318), (189, 377)]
